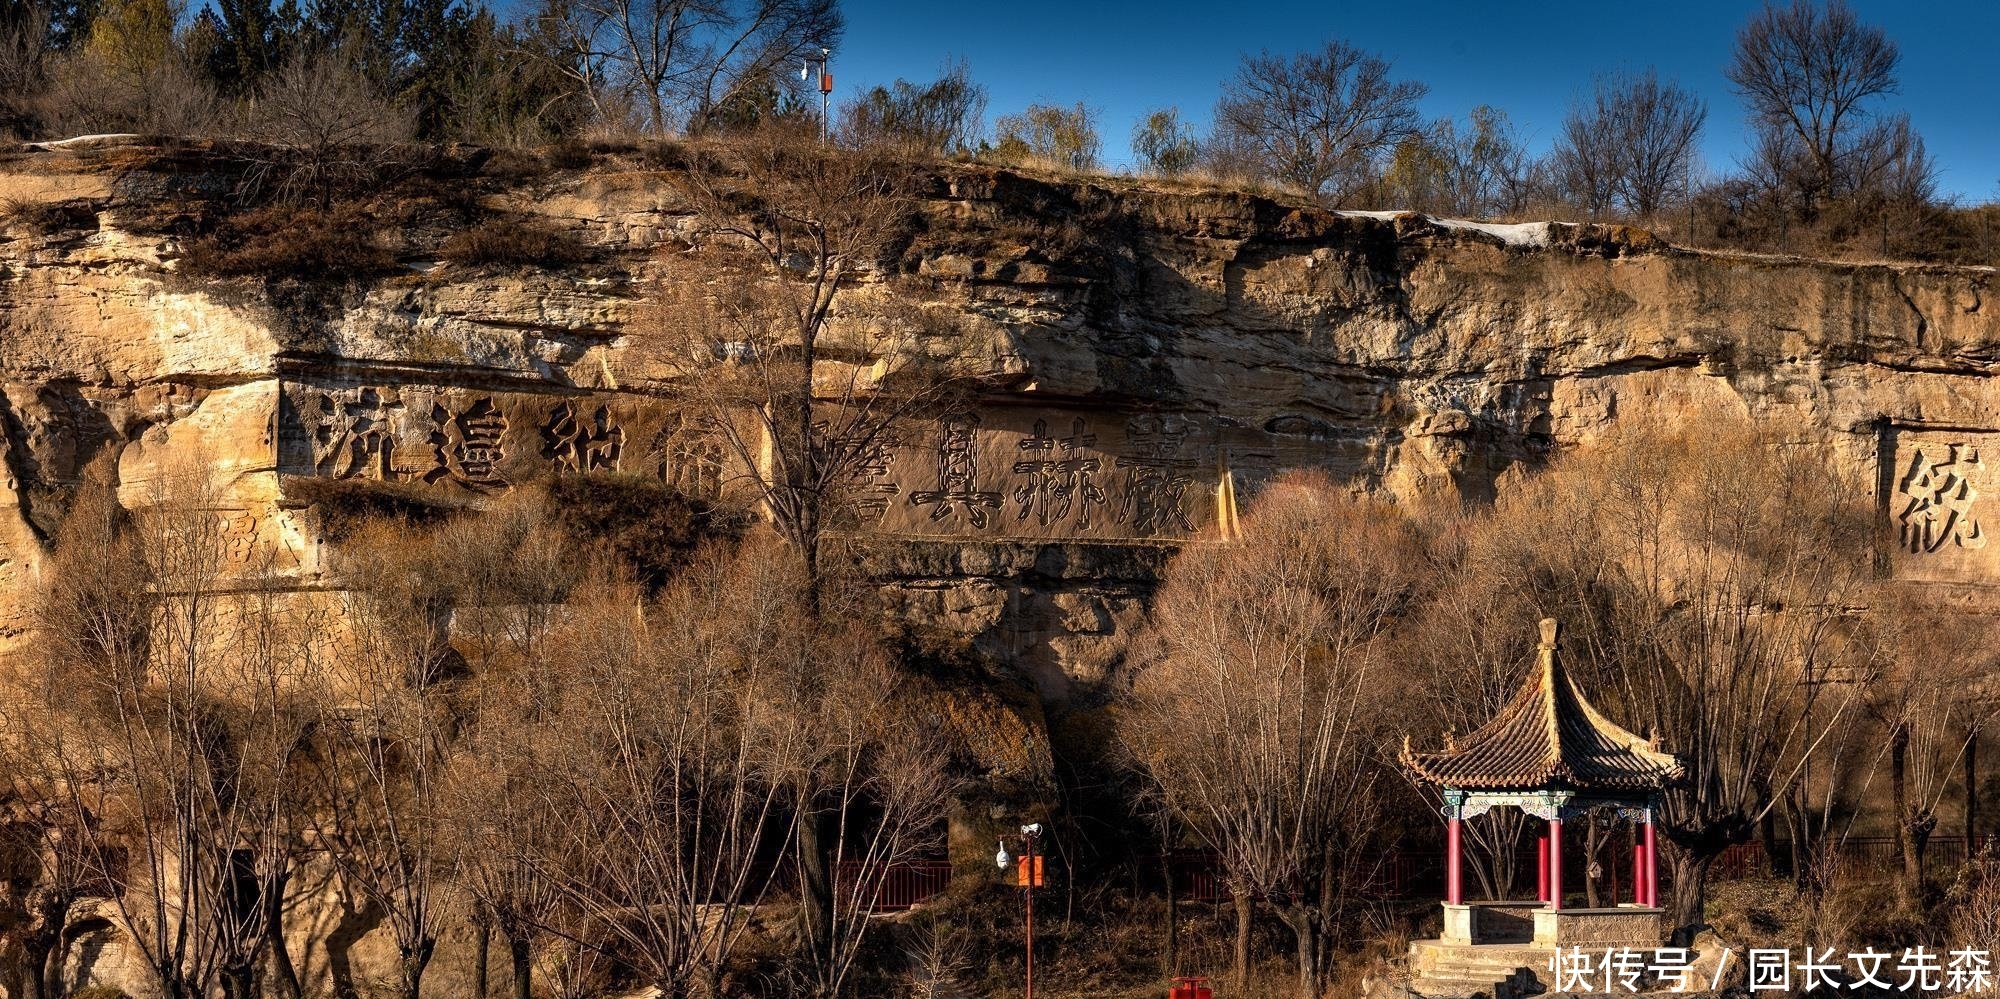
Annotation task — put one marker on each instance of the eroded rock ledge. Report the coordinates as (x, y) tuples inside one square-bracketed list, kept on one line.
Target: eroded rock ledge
[(1171, 341)]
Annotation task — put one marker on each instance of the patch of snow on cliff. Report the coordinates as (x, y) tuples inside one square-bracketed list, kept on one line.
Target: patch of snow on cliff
[(86, 141), (1513, 234), (1531, 234)]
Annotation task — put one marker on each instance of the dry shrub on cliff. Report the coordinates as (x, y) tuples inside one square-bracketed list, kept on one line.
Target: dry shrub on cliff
[(345, 506), (650, 526), (514, 243), (285, 241), (49, 218)]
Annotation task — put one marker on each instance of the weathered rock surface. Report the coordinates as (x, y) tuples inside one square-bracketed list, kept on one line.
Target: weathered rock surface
[(1157, 345)]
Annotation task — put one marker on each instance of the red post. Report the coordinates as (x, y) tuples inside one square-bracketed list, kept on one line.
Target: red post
[(1639, 874), (1454, 888), (1652, 864), (1555, 863), (1028, 890), (1542, 868)]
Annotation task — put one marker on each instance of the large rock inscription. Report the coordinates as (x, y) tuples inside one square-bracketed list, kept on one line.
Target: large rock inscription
[(1941, 504), (481, 441), (1044, 474)]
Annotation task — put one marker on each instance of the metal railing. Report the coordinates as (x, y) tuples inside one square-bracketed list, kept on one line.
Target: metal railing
[(1404, 873), (898, 886)]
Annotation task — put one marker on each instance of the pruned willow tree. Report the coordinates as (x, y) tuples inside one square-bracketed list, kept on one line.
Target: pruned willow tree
[(1707, 587), (1260, 707), (804, 395), (1923, 696)]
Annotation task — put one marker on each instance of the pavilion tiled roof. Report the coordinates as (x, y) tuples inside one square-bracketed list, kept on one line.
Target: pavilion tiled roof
[(1547, 737)]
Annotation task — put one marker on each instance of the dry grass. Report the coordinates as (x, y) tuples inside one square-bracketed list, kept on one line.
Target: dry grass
[(514, 243), (48, 218), (284, 241), (345, 506)]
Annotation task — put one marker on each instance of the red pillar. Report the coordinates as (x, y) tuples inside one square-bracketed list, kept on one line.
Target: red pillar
[(1652, 848), (1638, 874), (1542, 868), (1454, 889), (1555, 863)]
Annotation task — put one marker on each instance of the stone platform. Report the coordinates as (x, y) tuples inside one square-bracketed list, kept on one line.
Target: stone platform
[(1506, 949)]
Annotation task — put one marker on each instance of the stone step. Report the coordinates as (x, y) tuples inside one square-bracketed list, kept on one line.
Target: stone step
[(1507, 987)]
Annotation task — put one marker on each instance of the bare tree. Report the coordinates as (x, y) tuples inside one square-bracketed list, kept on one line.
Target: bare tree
[(1633, 144), (1468, 670), (671, 66), (386, 725), (1708, 586), (1318, 120), (1806, 72), (1270, 648), (783, 227), (180, 690), (863, 770), (1476, 172), (1923, 698), (656, 753), (511, 570)]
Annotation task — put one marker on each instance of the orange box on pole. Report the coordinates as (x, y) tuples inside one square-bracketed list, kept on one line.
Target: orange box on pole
[(1022, 878)]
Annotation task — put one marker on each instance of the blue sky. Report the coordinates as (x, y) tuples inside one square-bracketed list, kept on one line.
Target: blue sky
[(1528, 59)]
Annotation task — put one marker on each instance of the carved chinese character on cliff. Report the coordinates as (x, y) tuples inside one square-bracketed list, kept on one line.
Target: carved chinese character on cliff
[(871, 461), (466, 446), (957, 493), (1060, 478), (351, 433), (238, 537), (577, 444), (1158, 472), (1937, 493), (691, 456)]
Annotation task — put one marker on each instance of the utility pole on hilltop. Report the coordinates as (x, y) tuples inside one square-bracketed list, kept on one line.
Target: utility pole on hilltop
[(825, 84)]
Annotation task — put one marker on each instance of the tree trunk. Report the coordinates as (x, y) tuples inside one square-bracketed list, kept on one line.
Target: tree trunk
[(1242, 970), (1305, 933), (34, 967), (1690, 895), (414, 963), (1909, 886), (815, 884), (482, 946), (1920, 838), (524, 972), (1593, 844), (239, 980), (281, 952), (1972, 794)]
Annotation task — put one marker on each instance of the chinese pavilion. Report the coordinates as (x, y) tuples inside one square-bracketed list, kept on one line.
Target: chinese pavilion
[(1551, 754)]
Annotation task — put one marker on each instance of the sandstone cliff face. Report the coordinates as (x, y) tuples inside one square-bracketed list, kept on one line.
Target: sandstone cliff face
[(1164, 353)]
